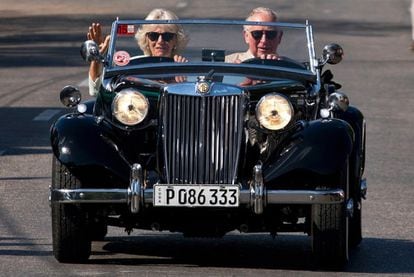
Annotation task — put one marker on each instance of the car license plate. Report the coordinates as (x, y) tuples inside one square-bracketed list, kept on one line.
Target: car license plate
[(196, 195)]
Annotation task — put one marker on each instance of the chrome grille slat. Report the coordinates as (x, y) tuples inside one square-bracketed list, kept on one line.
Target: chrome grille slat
[(201, 138), (187, 125)]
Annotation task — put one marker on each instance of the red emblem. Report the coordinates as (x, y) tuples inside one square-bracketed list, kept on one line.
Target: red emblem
[(121, 58)]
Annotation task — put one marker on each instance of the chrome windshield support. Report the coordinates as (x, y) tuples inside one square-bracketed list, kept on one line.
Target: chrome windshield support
[(311, 47)]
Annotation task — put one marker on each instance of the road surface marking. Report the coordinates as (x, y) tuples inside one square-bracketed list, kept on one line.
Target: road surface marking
[(182, 5), (46, 115)]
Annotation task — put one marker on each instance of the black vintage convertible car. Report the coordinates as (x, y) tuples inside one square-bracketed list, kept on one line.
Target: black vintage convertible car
[(262, 145)]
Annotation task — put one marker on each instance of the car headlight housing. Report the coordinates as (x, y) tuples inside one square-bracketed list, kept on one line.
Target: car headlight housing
[(274, 111), (130, 107)]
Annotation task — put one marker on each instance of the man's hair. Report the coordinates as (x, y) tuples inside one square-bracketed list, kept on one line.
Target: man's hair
[(260, 10)]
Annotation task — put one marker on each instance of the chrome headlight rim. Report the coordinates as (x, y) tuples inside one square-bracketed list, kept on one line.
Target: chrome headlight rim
[(129, 92), (286, 121)]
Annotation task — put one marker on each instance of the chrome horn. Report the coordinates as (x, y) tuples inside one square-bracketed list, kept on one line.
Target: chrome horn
[(338, 101), (70, 96)]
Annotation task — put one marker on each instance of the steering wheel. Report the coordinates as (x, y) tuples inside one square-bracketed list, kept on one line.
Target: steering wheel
[(280, 61)]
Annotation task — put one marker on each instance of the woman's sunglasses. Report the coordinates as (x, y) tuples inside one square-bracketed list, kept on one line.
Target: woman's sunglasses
[(167, 36), (257, 35)]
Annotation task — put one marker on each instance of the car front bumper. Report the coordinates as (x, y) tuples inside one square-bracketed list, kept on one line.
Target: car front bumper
[(136, 196)]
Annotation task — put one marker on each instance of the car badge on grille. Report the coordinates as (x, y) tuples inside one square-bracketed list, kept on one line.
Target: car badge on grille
[(203, 87)]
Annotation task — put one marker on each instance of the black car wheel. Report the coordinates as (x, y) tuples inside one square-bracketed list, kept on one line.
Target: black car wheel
[(330, 231), (357, 166), (97, 230), (71, 243), (355, 226)]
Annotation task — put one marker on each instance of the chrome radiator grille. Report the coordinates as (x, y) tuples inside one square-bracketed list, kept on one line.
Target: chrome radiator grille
[(201, 138)]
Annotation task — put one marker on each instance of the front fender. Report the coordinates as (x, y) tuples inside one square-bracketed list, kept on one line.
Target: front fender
[(355, 118), (319, 149), (85, 147)]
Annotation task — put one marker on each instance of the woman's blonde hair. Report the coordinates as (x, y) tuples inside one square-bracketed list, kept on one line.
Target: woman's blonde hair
[(161, 14)]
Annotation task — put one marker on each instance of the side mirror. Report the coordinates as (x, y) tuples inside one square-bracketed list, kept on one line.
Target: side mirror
[(90, 51), (332, 54), (70, 96)]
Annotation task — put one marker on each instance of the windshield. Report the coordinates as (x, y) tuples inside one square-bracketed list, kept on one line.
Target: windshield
[(139, 43)]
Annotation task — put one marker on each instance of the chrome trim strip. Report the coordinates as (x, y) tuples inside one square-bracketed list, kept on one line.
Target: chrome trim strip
[(148, 196), (89, 195), (332, 196)]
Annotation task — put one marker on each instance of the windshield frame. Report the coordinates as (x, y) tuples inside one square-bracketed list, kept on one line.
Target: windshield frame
[(304, 75)]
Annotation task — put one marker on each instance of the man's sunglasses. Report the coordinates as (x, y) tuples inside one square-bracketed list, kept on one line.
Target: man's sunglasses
[(257, 35), (167, 36)]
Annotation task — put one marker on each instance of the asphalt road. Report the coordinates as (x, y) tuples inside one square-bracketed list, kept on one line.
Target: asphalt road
[(39, 46)]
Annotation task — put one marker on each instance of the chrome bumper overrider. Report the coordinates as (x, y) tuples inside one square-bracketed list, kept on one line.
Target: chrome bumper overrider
[(256, 197)]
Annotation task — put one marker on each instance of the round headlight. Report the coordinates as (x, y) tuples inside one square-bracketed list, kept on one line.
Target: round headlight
[(130, 107), (274, 111)]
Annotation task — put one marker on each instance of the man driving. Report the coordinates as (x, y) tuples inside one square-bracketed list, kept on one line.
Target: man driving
[(262, 40)]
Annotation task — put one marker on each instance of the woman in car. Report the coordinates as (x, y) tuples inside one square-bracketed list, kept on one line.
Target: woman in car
[(158, 40)]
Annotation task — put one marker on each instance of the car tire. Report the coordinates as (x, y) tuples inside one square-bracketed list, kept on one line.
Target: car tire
[(98, 231), (355, 221), (355, 225), (69, 222), (330, 231)]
